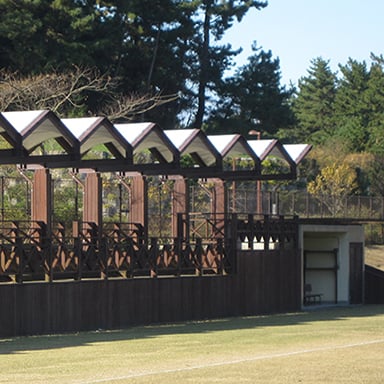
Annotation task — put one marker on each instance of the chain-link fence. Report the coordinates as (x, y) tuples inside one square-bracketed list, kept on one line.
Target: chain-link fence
[(15, 203)]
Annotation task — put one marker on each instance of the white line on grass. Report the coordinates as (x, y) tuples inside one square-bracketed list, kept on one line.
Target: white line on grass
[(229, 362)]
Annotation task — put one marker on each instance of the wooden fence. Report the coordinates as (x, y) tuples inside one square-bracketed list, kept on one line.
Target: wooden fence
[(263, 278), (265, 282), (374, 285)]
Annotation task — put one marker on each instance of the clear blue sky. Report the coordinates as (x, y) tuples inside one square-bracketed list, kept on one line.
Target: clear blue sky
[(298, 31)]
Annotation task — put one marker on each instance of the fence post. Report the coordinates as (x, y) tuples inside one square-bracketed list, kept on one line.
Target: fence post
[(45, 240), (250, 231), (231, 245), (18, 251), (103, 256), (152, 256), (293, 203)]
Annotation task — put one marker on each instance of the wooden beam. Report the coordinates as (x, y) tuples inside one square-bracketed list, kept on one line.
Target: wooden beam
[(92, 210), (180, 203), (41, 198), (139, 202)]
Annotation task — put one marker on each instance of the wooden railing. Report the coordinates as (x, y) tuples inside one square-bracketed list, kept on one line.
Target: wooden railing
[(29, 251)]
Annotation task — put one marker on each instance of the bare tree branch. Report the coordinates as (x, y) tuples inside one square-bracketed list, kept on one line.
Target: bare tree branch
[(127, 107), (67, 92)]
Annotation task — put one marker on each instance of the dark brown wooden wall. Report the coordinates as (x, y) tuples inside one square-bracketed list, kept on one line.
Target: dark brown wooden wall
[(265, 282), (374, 285), (356, 276)]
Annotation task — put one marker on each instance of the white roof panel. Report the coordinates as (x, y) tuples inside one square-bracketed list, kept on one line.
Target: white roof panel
[(192, 141), (221, 142), (231, 145), (22, 119), (261, 147), (132, 131), (93, 131), (36, 127), (146, 136), (78, 125), (179, 137), (29, 129), (297, 151)]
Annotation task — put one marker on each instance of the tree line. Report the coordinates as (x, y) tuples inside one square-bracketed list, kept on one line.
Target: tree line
[(167, 47), (342, 115), (164, 61)]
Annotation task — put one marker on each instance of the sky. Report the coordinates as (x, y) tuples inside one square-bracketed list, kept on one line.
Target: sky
[(297, 31)]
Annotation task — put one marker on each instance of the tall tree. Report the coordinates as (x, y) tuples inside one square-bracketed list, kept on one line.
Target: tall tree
[(252, 98), (374, 99), (36, 36), (150, 44), (133, 42), (216, 17), (314, 104), (351, 108), (161, 46)]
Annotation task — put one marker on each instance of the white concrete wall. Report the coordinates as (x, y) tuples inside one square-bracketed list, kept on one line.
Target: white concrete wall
[(328, 238)]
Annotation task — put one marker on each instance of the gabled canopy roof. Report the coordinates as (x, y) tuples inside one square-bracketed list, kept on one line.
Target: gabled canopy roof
[(94, 131), (36, 127), (195, 143), (265, 148), (27, 130), (149, 136), (297, 152), (232, 146), (273, 147)]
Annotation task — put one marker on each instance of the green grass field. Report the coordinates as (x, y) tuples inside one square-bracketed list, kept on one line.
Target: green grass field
[(334, 345)]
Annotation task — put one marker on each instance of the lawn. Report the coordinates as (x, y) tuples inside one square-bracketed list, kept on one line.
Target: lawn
[(330, 345)]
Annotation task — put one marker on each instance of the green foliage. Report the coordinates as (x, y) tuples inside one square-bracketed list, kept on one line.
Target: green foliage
[(344, 116), (252, 98), (374, 98), (314, 103), (348, 109), (174, 47), (146, 46), (351, 105), (213, 18), (375, 174), (38, 35), (159, 207), (67, 202)]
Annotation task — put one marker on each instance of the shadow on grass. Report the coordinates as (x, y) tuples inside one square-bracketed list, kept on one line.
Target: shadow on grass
[(22, 344)]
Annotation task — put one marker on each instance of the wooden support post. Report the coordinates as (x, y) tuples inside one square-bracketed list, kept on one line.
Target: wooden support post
[(41, 211), (93, 215), (219, 207), (139, 202), (41, 199), (93, 204), (180, 205)]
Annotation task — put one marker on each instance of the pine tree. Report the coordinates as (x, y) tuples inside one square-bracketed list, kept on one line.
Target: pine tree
[(374, 98), (351, 108), (252, 98), (36, 36), (314, 104), (213, 60)]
